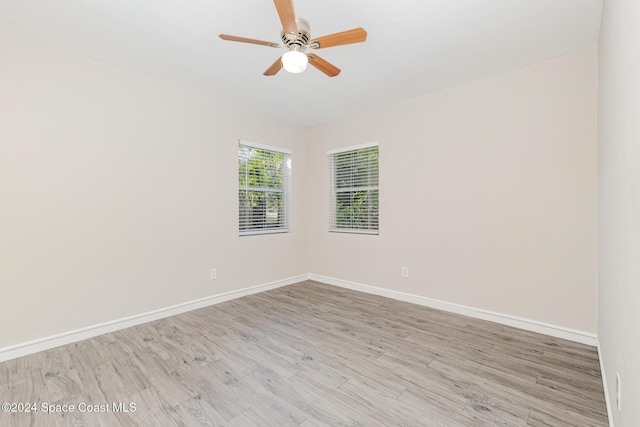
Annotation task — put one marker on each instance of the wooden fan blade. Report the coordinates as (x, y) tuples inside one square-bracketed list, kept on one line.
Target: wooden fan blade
[(287, 16), (357, 35), (275, 67), (322, 65), (246, 40)]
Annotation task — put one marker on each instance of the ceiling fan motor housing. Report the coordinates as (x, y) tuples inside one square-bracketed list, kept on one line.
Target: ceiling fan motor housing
[(297, 41)]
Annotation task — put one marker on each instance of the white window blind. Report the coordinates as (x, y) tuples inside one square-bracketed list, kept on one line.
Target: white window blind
[(353, 189), (263, 180)]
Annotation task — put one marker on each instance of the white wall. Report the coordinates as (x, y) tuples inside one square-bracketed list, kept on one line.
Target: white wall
[(488, 194), (115, 195), (619, 204)]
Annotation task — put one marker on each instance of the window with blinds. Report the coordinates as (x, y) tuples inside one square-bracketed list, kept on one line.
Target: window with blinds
[(263, 180), (353, 189)]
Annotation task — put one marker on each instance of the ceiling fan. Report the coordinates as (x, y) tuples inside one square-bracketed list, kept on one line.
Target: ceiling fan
[(295, 36)]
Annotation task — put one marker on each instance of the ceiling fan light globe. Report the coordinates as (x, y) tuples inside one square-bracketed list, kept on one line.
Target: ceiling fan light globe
[(294, 61)]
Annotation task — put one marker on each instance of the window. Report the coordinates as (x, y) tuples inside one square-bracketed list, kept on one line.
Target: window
[(263, 179), (353, 189)]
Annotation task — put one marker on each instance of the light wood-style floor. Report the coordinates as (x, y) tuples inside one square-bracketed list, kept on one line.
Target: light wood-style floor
[(308, 355)]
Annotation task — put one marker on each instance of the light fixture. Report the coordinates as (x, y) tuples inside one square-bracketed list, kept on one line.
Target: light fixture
[(295, 61)]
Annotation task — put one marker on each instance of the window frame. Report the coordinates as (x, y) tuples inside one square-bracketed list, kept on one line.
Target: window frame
[(285, 189), (333, 190)]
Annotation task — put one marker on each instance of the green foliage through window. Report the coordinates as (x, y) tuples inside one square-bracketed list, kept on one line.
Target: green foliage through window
[(354, 198), (263, 189)]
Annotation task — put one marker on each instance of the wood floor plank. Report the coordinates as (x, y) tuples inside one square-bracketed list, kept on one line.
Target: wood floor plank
[(151, 409), (196, 412), (375, 381), (425, 412), (551, 416), (28, 386), (312, 354), (213, 391), (482, 414), (76, 417), (338, 406), (507, 377), (506, 407), (5, 373), (250, 418)]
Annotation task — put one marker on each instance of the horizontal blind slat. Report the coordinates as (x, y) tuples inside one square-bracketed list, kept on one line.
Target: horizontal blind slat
[(263, 177), (353, 190)]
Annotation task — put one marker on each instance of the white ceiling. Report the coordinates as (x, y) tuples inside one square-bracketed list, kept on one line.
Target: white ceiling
[(413, 47)]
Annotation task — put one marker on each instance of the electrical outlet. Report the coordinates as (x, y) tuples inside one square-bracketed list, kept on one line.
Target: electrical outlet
[(405, 271), (618, 392), (213, 274)]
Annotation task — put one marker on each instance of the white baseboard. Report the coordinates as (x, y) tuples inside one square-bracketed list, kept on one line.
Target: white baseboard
[(53, 341), (505, 319), (604, 384)]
